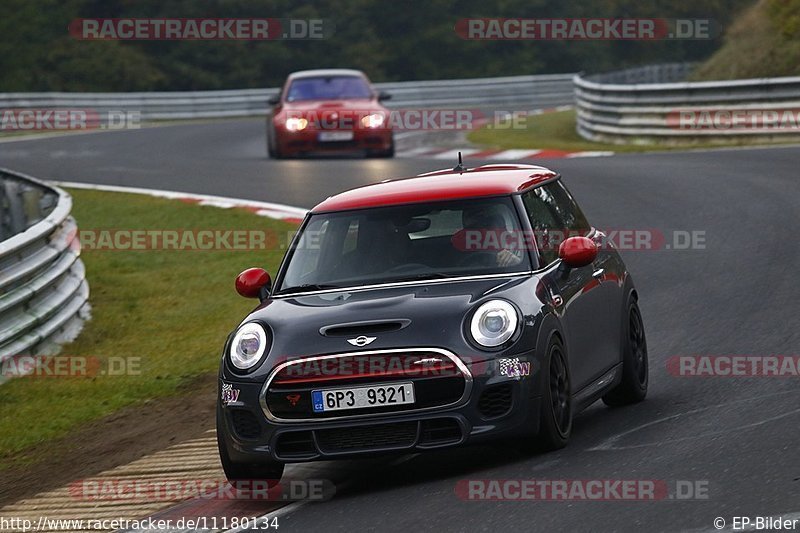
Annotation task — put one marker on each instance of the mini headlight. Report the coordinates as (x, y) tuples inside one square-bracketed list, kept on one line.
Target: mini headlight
[(375, 120), (248, 346), (296, 123), (493, 323)]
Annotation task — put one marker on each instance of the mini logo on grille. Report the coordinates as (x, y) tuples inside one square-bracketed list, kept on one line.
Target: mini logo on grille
[(361, 341), (293, 399)]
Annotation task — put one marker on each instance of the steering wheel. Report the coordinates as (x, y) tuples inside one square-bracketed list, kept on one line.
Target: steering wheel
[(484, 259)]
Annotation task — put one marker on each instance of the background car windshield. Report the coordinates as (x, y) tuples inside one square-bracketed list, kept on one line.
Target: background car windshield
[(419, 241), (328, 88)]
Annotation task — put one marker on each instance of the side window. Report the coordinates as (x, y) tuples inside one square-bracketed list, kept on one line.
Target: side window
[(351, 238), (543, 222), (554, 216)]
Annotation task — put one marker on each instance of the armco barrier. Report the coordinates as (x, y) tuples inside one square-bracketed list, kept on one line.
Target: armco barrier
[(513, 92), (43, 290), (644, 105)]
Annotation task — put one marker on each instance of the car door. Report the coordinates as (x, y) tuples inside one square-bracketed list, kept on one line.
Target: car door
[(585, 313)]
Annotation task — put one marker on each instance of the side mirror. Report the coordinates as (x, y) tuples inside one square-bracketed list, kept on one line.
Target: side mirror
[(382, 96), (274, 100), (577, 252), (254, 283)]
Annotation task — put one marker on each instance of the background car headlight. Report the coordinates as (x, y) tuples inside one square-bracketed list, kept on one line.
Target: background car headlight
[(375, 120), (493, 323), (296, 123), (248, 346)]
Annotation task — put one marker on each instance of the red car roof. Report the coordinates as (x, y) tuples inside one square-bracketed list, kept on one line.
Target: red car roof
[(487, 180)]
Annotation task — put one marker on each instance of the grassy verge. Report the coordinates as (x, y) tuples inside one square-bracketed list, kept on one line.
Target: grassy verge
[(556, 131), (170, 308)]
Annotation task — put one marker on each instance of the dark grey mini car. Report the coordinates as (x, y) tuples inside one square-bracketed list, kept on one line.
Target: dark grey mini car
[(429, 312)]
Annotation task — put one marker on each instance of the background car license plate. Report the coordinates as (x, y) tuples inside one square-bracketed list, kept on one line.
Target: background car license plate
[(327, 136), (361, 397)]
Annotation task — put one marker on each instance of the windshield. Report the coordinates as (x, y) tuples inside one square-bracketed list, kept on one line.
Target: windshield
[(328, 88), (402, 243)]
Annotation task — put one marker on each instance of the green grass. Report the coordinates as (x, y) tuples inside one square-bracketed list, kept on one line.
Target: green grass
[(171, 308), (553, 131), (556, 131)]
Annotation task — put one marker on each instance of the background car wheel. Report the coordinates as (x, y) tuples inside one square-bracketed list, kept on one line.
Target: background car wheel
[(240, 475), (556, 407), (635, 366), (274, 152), (384, 153)]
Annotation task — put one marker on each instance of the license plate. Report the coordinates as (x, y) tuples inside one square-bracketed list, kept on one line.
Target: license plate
[(362, 397), (328, 136)]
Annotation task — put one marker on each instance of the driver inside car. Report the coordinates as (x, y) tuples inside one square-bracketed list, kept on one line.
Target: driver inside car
[(487, 220)]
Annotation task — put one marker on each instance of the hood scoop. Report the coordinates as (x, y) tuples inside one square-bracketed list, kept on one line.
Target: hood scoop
[(371, 327)]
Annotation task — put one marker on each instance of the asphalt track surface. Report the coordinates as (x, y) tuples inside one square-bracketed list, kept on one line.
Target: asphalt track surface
[(738, 295)]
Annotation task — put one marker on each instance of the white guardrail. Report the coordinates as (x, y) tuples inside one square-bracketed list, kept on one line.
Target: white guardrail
[(43, 290), (654, 104), (515, 92)]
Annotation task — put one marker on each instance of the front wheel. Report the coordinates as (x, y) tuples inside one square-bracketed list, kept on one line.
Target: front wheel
[(242, 475), (556, 407), (635, 366), (274, 152), (388, 153)]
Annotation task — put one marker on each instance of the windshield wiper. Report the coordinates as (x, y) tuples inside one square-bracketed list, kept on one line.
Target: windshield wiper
[(308, 287)]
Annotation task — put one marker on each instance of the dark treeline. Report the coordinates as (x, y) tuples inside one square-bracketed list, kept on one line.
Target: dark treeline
[(390, 40)]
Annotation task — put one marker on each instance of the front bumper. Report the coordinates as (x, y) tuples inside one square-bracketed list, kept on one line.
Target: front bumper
[(307, 141), (496, 406)]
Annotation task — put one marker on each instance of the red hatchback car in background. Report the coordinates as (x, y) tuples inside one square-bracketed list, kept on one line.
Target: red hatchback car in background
[(325, 111)]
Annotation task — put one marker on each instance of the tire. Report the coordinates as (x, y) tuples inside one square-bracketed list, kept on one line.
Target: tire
[(556, 407), (240, 475), (388, 153), (635, 365), (274, 153)]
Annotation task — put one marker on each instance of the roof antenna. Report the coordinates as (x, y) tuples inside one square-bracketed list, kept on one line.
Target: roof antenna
[(459, 167)]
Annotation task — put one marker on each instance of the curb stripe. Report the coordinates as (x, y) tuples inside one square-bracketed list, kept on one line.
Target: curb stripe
[(267, 209)]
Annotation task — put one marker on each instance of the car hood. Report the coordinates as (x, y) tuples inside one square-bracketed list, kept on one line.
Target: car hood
[(431, 315), (329, 105)]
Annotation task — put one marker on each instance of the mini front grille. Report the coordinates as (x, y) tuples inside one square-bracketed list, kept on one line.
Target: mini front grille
[(495, 401), (438, 379), (245, 424), (398, 435)]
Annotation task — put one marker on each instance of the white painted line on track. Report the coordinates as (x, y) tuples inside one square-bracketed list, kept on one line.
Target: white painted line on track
[(453, 154), (514, 154), (590, 154), (268, 209)]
